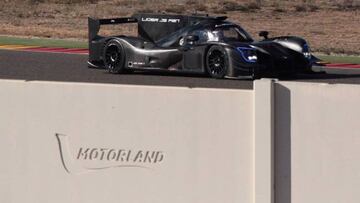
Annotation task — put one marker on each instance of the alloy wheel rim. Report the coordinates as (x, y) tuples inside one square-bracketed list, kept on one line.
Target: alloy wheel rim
[(112, 57), (216, 62)]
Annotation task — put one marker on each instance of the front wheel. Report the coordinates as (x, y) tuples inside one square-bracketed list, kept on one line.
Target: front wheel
[(217, 61), (114, 56)]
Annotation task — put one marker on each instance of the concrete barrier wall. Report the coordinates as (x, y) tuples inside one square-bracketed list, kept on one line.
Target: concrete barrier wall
[(317, 132), (67, 142), (283, 142)]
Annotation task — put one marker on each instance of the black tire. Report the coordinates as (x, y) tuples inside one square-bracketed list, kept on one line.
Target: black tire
[(217, 62), (114, 56)]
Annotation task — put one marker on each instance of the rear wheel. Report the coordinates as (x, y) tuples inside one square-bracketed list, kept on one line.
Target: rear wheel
[(217, 62), (114, 57)]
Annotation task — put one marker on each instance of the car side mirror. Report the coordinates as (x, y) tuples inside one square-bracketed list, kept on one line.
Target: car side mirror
[(192, 38), (264, 34)]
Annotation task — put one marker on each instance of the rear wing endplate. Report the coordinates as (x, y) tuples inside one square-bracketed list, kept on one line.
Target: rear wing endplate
[(94, 24)]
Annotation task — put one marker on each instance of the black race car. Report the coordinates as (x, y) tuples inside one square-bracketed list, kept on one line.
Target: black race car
[(195, 44)]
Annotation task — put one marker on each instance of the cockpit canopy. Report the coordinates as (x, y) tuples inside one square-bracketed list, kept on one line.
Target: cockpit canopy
[(223, 33), (207, 32)]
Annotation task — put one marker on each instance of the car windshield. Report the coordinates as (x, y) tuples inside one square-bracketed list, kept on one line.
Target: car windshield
[(229, 33)]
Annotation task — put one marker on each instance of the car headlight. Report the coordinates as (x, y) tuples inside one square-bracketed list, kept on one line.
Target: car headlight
[(248, 54), (306, 51)]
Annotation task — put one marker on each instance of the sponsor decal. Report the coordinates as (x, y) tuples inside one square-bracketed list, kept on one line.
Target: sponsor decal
[(120, 155), (161, 20), (131, 64), (87, 159)]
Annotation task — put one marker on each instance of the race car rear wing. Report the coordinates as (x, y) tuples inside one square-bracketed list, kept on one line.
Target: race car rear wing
[(94, 24)]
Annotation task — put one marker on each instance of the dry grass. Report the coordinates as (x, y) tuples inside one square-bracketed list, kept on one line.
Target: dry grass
[(329, 25)]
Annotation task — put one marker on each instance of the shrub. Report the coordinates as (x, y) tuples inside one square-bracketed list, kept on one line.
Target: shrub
[(304, 8), (253, 6), (300, 8), (191, 2), (234, 6), (313, 7), (175, 8), (72, 1), (146, 10), (231, 6), (347, 5), (200, 7), (279, 10), (32, 2)]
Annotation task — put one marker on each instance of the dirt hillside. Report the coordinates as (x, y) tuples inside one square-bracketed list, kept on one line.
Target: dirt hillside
[(330, 26)]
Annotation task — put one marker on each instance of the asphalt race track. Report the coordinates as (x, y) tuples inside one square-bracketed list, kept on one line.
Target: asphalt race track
[(41, 66)]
